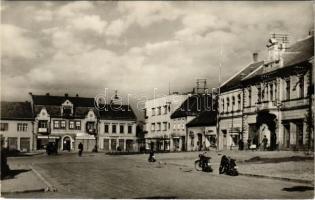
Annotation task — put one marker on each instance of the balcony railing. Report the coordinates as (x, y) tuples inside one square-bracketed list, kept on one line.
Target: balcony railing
[(42, 130), (265, 105)]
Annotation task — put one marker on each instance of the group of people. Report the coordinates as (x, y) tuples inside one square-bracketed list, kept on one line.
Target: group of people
[(255, 144)]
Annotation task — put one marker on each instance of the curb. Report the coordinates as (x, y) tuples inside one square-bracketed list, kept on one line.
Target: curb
[(23, 191), (49, 187), (278, 178)]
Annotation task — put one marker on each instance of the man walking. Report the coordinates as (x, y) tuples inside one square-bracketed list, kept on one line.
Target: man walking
[(265, 142), (80, 147)]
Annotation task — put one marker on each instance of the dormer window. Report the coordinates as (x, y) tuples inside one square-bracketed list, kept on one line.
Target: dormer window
[(67, 109)]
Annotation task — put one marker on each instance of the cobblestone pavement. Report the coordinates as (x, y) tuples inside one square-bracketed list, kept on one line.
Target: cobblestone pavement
[(103, 176)]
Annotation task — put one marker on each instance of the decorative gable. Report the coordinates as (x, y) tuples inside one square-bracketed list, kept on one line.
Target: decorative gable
[(67, 108), (43, 114), (91, 116)]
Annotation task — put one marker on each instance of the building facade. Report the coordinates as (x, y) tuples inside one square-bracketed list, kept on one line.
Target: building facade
[(271, 98), (158, 122), (190, 109), (16, 126), (202, 132), (67, 121)]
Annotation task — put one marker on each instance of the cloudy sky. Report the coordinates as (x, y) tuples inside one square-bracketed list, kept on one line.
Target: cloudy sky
[(83, 47)]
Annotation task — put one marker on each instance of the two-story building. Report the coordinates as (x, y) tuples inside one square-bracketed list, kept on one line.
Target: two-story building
[(64, 120), (117, 128), (190, 108), (16, 126), (158, 121), (272, 98)]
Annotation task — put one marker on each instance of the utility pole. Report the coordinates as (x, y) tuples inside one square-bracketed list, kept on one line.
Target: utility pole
[(218, 98)]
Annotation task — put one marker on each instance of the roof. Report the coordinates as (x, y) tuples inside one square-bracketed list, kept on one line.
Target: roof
[(58, 100), (206, 118), (297, 53), (235, 81), (16, 110), (117, 112), (193, 105)]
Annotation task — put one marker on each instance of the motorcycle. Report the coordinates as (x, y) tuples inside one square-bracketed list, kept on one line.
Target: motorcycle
[(203, 163), (152, 157), (228, 166)]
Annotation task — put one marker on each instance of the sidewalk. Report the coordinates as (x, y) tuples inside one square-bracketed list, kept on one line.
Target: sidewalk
[(23, 180)]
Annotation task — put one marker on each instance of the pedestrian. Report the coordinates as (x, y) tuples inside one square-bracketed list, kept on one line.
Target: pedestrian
[(265, 142), (80, 147), (240, 144)]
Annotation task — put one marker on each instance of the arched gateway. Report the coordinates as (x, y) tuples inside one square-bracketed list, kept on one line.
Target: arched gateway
[(266, 125)]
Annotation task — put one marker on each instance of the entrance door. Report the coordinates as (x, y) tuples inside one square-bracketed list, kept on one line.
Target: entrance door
[(183, 143), (129, 145), (253, 136), (25, 144), (106, 144), (12, 143), (299, 134), (199, 142), (113, 145), (121, 144), (286, 137), (66, 144), (224, 139)]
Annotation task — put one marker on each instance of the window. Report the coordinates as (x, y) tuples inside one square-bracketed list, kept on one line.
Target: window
[(239, 102), (227, 104), (106, 127), (4, 126), (159, 110), (56, 124), (164, 126), (129, 128), (121, 128), (169, 126), (287, 89), (259, 93), (158, 126), (153, 111), (22, 127), (71, 124), (78, 125), (222, 105), (301, 85), (249, 96), (67, 110), (114, 128), (233, 101), (165, 109), (152, 127), (63, 124), (42, 124), (271, 91)]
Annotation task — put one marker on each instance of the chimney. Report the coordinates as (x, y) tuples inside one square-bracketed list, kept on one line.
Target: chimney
[(47, 94), (255, 57), (66, 95)]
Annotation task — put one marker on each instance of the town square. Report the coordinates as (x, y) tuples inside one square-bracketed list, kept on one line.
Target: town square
[(157, 100)]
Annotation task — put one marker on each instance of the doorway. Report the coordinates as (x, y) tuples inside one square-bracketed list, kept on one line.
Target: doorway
[(199, 141), (224, 139), (66, 144)]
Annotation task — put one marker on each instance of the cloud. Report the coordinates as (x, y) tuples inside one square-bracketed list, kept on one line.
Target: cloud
[(73, 8), (16, 44), (89, 22), (116, 28)]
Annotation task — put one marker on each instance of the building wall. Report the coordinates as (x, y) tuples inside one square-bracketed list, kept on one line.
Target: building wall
[(199, 138), (24, 139), (160, 125), (106, 138)]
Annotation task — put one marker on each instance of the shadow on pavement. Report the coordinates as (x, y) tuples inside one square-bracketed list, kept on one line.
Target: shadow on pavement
[(298, 189), (278, 160), (158, 197), (12, 173)]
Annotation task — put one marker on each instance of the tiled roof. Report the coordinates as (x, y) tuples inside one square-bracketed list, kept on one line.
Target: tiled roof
[(193, 105), (235, 81), (117, 112), (16, 110), (58, 100), (206, 118)]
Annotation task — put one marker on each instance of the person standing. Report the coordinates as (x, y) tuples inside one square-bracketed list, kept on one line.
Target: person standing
[(80, 147), (265, 142)]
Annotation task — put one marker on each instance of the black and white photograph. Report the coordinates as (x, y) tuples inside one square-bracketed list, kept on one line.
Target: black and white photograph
[(157, 99)]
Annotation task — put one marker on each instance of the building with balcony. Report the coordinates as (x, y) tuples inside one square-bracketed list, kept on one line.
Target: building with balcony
[(64, 120), (189, 110), (16, 126), (158, 121), (271, 98)]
